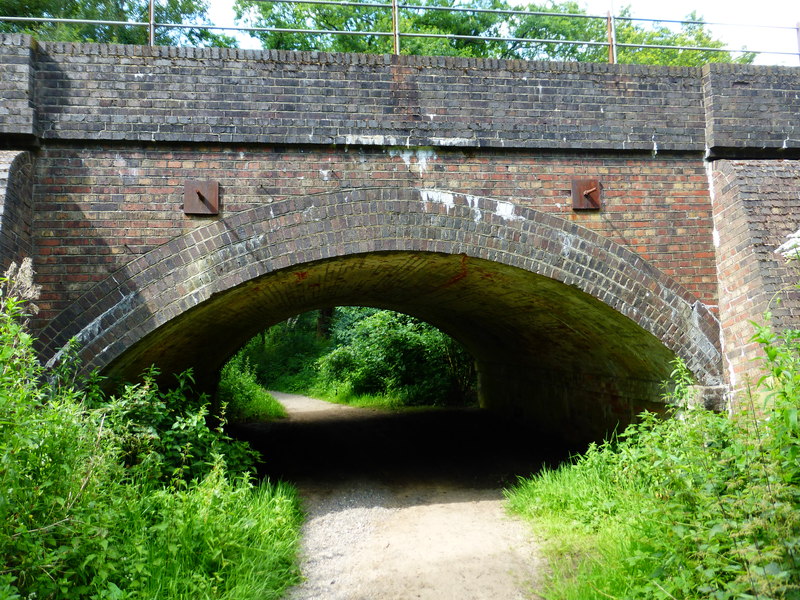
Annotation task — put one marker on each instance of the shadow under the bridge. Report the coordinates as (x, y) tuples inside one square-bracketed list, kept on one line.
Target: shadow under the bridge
[(467, 448)]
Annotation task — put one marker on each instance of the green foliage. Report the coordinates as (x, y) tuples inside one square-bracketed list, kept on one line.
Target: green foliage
[(243, 399), (172, 11), (479, 25), (166, 433), (133, 498), (697, 506), (689, 34), (396, 355), (283, 356), (371, 357)]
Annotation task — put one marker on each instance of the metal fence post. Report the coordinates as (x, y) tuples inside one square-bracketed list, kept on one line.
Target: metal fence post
[(612, 38), (152, 23), (798, 39), (395, 27)]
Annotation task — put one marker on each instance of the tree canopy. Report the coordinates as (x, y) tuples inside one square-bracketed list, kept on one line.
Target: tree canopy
[(466, 24), (184, 12), (429, 19)]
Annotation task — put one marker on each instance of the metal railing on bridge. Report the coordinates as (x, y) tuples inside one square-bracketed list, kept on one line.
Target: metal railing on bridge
[(612, 43)]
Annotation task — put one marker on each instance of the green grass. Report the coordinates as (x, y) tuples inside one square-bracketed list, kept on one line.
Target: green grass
[(245, 400), (220, 539), (699, 506), (343, 394)]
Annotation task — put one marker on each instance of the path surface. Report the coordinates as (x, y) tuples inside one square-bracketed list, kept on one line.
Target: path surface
[(404, 506)]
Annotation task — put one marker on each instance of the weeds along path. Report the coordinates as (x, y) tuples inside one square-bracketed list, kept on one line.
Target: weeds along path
[(404, 505)]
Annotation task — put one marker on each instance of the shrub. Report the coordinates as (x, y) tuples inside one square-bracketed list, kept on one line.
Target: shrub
[(131, 498), (396, 355)]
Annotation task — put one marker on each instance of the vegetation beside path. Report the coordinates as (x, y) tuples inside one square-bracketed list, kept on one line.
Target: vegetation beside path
[(699, 506), (133, 496), (362, 357)]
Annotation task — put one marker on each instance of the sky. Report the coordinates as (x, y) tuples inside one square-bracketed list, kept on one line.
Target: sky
[(745, 13)]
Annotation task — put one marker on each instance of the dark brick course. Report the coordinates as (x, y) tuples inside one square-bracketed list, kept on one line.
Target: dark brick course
[(752, 107)]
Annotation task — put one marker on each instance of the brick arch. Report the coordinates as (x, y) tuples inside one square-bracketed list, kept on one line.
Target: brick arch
[(527, 292)]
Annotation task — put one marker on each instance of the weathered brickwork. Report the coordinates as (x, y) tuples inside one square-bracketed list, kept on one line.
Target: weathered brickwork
[(17, 115), (756, 206), (106, 92), (215, 95), (526, 291), (16, 207), (98, 209), (751, 107), (437, 186)]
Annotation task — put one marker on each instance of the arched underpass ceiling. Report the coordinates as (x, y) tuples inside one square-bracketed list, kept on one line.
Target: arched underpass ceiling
[(498, 312), (548, 308)]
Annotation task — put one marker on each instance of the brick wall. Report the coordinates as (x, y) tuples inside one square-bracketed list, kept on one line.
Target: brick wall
[(17, 113), (750, 107), (216, 95), (98, 209), (755, 208), (134, 93), (527, 292), (16, 207)]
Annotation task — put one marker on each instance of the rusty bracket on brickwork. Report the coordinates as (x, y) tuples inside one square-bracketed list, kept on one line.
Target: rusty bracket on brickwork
[(201, 197), (586, 194)]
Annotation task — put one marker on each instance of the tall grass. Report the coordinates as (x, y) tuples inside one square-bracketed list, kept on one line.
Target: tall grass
[(701, 505), (242, 397), (130, 497)]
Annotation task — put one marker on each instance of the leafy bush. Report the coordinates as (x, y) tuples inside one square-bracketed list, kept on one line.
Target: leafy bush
[(129, 498), (363, 356), (396, 355), (696, 506), (283, 356)]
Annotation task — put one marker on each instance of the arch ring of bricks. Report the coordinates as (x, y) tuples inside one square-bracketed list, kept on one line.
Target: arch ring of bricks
[(183, 273)]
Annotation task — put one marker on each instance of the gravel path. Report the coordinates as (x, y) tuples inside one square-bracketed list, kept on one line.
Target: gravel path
[(402, 506)]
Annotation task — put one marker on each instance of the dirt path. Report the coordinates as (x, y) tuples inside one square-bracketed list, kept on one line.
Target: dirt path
[(404, 506)]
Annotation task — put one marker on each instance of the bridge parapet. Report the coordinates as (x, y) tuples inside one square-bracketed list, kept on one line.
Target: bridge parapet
[(67, 91)]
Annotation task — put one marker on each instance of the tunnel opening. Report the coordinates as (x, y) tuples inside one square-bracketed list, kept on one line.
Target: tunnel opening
[(547, 353), (413, 391), (361, 356)]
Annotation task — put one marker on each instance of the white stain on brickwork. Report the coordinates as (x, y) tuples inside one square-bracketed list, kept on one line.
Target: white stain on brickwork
[(422, 157), (472, 201), (313, 213), (438, 197), (370, 140), (454, 141), (89, 333), (715, 237), (505, 210), (567, 242)]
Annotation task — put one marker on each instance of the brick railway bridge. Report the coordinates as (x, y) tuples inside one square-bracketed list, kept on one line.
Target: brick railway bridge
[(576, 226)]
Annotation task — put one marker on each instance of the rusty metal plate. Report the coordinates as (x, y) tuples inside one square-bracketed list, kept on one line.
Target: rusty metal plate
[(586, 194), (201, 197)]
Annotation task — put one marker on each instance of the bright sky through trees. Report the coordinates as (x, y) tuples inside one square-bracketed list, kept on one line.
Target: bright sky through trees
[(769, 12)]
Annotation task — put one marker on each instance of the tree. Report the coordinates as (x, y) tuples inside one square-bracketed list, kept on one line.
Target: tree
[(168, 11), (463, 22)]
